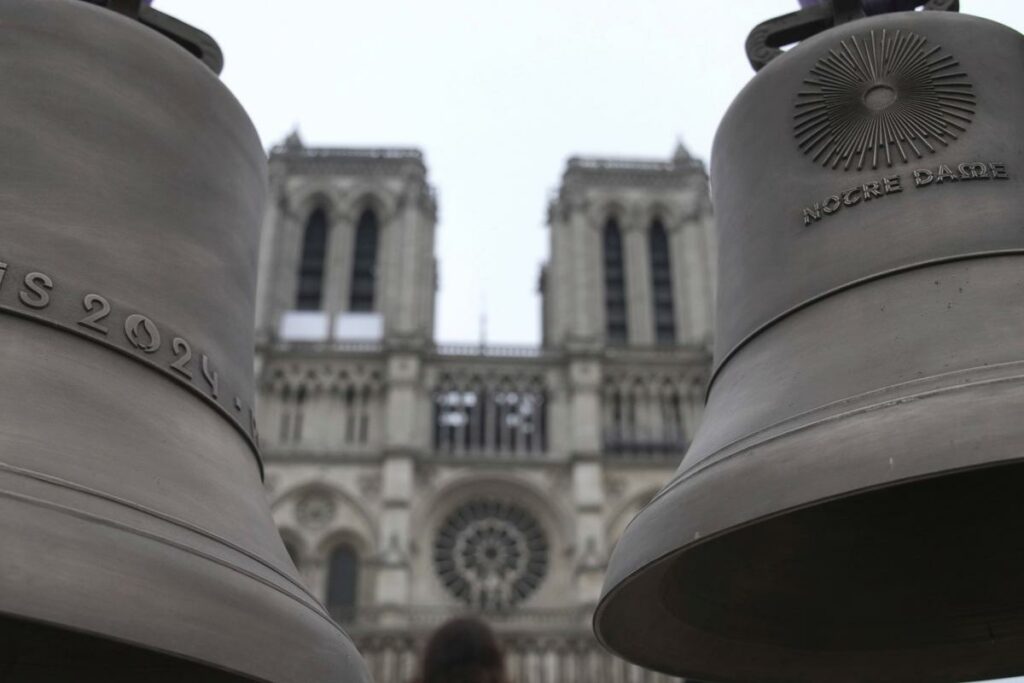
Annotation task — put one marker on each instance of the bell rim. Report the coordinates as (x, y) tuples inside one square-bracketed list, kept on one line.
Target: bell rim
[(646, 581), (167, 617)]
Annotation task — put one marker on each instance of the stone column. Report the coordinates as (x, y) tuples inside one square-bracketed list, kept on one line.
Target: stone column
[(586, 287), (338, 263), (694, 266), (587, 473), (558, 284), (558, 415), (405, 248), (591, 551), (638, 283), (682, 281), (426, 277), (402, 443), (408, 269), (393, 562)]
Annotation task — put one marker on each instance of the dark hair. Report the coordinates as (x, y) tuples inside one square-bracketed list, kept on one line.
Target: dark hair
[(463, 651)]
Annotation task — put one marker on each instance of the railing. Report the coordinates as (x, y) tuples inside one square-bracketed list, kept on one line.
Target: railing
[(325, 345), (429, 617), (441, 350), (355, 153), (599, 164), (485, 351)]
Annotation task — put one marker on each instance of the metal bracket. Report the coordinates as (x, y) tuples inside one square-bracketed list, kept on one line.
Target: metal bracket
[(766, 40), (199, 44)]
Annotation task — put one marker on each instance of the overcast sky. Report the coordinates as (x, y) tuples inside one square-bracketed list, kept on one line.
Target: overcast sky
[(497, 95)]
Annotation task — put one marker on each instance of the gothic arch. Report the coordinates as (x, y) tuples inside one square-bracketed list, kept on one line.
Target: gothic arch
[(659, 210), (614, 280), (645, 412), (364, 547), (659, 248), (311, 270), (383, 205), (321, 379), (315, 195), (611, 208), (350, 516), (365, 280), (345, 580), (307, 263)]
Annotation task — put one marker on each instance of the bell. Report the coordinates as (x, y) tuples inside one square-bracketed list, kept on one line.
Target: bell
[(137, 542), (851, 507)]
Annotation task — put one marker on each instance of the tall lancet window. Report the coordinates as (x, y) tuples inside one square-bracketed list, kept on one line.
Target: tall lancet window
[(661, 276), (364, 265), (614, 284), (311, 267), (342, 581)]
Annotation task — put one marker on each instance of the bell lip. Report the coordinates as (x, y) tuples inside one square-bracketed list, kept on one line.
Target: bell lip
[(176, 592), (878, 425), (646, 576), (352, 670)]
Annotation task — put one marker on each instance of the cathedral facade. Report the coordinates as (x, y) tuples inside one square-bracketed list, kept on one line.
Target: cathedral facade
[(413, 480)]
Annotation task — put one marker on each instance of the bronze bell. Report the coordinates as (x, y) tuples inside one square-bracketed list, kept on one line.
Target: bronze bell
[(851, 508), (137, 544)]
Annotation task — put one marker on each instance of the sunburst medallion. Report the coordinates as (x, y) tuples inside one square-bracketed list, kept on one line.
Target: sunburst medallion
[(882, 98)]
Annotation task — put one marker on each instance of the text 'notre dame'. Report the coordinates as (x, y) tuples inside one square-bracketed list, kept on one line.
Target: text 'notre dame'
[(891, 184)]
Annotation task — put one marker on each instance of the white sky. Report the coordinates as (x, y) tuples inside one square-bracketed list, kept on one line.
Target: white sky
[(497, 95)]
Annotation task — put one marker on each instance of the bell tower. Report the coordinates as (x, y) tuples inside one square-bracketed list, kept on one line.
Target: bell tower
[(632, 254), (347, 247)]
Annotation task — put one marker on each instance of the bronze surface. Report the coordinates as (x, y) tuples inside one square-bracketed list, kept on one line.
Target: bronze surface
[(849, 508), (136, 532)]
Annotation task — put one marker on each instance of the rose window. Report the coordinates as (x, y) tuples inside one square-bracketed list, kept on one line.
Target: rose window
[(491, 555)]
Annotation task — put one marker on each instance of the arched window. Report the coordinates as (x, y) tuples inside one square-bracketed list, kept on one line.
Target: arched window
[(311, 267), (661, 276), (342, 579), (364, 265), (614, 284)]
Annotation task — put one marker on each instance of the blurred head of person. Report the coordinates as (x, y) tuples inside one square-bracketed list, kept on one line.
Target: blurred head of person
[(463, 650)]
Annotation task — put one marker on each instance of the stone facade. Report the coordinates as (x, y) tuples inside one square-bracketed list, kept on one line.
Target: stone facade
[(413, 481)]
